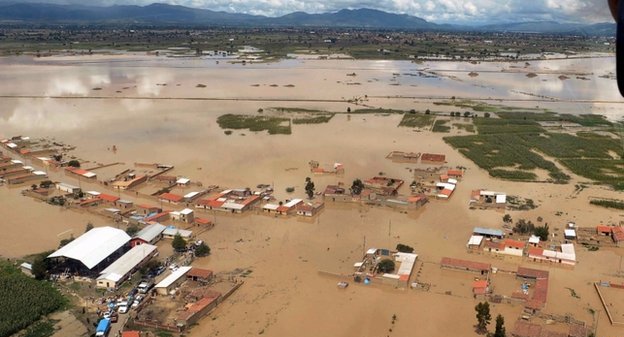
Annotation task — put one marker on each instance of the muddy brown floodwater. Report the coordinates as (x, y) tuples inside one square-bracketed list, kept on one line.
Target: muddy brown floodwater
[(152, 110)]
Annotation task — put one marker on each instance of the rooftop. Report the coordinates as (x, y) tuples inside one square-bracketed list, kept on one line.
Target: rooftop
[(173, 277), (94, 246), (150, 232), (127, 262)]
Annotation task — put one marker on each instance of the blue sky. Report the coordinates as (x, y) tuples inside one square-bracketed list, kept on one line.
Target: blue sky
[(439, 11)]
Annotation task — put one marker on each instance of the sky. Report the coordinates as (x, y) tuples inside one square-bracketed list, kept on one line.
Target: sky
[(438, 11)]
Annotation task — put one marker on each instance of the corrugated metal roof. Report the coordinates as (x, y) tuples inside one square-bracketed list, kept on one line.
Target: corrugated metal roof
[(150, 232), (93, 246), (169, 280), (127, 262), (488, 231)]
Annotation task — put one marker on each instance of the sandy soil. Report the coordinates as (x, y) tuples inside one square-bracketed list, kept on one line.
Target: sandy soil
[(285, 293)]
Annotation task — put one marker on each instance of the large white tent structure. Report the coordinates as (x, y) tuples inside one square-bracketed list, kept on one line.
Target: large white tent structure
[(93, 247)]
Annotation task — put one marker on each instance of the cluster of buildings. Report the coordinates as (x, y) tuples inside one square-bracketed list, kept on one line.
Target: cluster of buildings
[(493, 241), (489, 199)]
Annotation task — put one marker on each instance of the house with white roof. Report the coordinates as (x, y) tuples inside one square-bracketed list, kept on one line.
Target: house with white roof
[(169, 283), (123, 268)]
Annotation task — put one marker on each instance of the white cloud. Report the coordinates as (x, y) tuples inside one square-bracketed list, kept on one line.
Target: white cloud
[(451, 11)]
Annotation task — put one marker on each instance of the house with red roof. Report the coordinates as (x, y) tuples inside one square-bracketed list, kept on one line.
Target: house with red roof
[(170, 198)]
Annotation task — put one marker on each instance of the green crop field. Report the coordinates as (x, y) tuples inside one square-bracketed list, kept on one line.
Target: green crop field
[(416, 120), (24, 300), (274, 125)]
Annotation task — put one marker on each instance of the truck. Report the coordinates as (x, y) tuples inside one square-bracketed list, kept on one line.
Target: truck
[(103, 327)]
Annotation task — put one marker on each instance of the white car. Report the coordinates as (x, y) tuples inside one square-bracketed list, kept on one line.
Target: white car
[(122, 309)]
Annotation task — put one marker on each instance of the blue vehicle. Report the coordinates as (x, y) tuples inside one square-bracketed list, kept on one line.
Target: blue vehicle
[(103, 327)]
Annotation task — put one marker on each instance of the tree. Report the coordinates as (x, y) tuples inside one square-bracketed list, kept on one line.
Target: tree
[(39, 268), (404, 248), (427, 111), (178, 243), (33, 187), (486, 115), (202, 250), (483, 316), (466, 113), (45, 183), (507, 218), (131, 230), (309, 188), (500, 327), (88, 227), (385, 266), (66, 241), (73, 163), (542, 232), (357, 187)]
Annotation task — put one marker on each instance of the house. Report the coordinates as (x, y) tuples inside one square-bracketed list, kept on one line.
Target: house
[(199, 275), (81, 172), (474, 242), (485, 198), (129, 183), (480, 288), (26, 268), (171, 231), (92, 194), (186, 215), (197, 310), (416, 201), (234, 201), (488, 232), (534, 241), (383, 185), (124, 204), (289, 207), (107, 198), (564, 255), (432, 158), (150, 234), (183, 182), (618, 234), (337, 193), (444, 190), (169, 283), (513, 247), (170, 198), (120, 270), (491, 246), (67, 188), (158, 217), (569, 234), (603, 230), (455, 174), (309, 209), (147, 209), (191, 196)]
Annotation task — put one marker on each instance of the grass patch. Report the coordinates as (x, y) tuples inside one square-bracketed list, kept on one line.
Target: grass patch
[(608, 203), (24, 300), (505, 126), (561, 145), (43, 328), (440, 126), (274, 125), (416, 120), (313, 120)]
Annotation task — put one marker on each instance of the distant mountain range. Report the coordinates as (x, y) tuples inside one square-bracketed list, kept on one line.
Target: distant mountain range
[(163, 14)]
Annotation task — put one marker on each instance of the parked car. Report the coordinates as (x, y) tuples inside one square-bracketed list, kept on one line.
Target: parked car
[(123, 309), (114, 317), (343, 284)]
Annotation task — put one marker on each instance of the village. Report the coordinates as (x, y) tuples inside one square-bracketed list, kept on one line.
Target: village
[(149, 207)]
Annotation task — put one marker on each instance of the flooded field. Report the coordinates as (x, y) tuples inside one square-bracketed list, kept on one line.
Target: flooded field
[(152, 111)]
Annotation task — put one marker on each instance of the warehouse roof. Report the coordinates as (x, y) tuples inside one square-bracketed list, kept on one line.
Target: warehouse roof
[(94, 246), (169, 280)]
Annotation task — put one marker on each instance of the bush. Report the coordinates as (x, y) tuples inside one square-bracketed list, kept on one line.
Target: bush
[(178, 243), (404, 248), (73, 163), (385, 266)]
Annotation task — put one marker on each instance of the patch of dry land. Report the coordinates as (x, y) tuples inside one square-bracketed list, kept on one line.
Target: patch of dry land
[(152, 110)]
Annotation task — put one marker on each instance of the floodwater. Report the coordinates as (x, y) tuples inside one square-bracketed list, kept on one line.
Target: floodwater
[(285, 295)]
